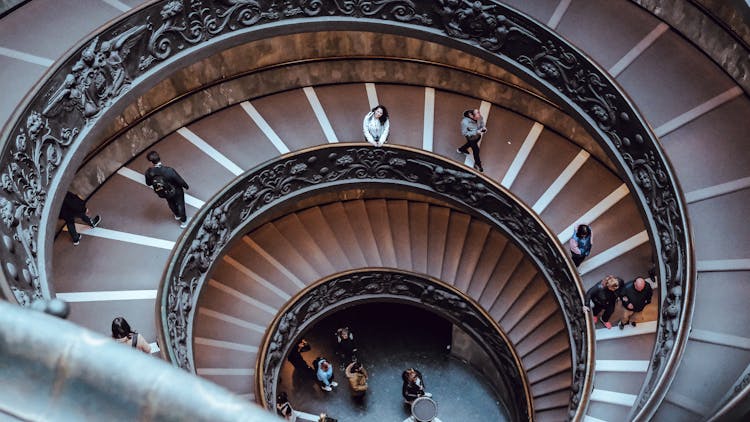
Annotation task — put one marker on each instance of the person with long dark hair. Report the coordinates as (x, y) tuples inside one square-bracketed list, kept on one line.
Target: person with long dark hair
[(122, 333), (376, 126)]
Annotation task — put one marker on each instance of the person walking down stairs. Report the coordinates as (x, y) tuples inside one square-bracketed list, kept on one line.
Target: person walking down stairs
[(74, 207), (168, 184), (472, 127)]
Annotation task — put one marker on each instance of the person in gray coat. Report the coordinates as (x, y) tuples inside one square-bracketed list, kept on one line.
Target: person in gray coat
[(472, 127)]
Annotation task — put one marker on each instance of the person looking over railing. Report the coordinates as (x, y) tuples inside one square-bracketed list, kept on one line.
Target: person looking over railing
[(376, 126), (122, 333)]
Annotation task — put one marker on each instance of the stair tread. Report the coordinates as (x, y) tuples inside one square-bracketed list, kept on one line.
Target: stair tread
[(418, 227), (494, 247), (377, 211), (458, 228)]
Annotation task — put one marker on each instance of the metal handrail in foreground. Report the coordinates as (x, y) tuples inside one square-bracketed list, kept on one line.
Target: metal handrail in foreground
[(55, 370)]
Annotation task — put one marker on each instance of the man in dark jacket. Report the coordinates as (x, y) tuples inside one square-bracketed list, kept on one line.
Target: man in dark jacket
[(604, 296), (634, 296), (167, 184), (413, 386), (74, 207)]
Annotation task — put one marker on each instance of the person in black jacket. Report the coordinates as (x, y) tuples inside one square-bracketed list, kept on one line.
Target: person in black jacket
[(604, 296), (634, 297), (74, 207), (168, 184), (296, 359), (413, 386)]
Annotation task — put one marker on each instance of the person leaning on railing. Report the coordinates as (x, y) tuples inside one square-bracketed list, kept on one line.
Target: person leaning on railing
[(122, 333)]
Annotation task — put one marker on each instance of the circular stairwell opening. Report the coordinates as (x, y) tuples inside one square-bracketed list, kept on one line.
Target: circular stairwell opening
[(391, 337)]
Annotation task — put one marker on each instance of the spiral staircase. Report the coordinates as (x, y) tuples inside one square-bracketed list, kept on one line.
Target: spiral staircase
[(694, 107)]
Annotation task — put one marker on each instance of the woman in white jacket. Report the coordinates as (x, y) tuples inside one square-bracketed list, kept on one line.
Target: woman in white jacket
[(376, 125)]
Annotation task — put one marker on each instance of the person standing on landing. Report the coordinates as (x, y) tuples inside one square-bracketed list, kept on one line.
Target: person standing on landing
[(472, 127), (634, 297), (74, 207), (168, 184), (604, 296), (376, 126)]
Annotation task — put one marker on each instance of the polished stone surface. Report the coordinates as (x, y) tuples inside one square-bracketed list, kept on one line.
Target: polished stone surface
[(391, 338)]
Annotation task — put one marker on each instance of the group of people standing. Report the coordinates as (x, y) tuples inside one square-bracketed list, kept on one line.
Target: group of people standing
[(602, 297), (346, 350)]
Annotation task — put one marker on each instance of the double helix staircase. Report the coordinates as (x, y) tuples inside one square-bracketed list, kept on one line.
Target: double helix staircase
[(697, 111)]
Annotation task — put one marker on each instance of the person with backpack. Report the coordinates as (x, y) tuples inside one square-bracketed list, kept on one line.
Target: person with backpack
[(74, 207), (122, 333), (167, 184)]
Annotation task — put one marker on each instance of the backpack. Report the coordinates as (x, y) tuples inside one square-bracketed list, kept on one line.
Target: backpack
[(162, 187)]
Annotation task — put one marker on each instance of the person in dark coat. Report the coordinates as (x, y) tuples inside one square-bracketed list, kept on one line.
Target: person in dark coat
[(604, 296), (74, 207), (634, 297), (296, 359), (346, 348), (168, 184), (413, 386)]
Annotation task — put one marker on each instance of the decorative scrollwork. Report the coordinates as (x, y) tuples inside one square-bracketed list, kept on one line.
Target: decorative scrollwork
[(390, 285), (489, 23)]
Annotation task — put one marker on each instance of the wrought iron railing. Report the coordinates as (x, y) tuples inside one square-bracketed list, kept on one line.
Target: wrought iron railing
[(54, 370), (234, 211), (44, 141), (376, 285)]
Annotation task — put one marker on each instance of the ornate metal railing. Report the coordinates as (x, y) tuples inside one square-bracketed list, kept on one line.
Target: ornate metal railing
[(42, 145), (372, 285), (231, 214), (54, 370)]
